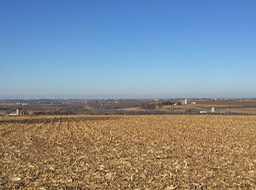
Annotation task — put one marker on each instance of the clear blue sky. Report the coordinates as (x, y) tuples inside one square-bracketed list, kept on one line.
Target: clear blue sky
[(122, 49)]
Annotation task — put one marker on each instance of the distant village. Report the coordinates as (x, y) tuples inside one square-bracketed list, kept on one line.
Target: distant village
[(127, 106)]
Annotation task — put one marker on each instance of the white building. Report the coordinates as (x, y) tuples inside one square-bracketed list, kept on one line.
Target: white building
[(15, 113)]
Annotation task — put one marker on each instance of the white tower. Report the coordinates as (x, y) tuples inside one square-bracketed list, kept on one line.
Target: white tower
[(185, 101), (18, 112)]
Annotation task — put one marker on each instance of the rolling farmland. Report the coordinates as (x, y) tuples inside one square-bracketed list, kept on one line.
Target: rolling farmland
[(128, 152)]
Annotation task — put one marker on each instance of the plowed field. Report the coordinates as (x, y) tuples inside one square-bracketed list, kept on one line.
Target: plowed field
[(128, 152)]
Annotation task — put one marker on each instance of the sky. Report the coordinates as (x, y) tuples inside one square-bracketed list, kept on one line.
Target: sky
[(127, 49)]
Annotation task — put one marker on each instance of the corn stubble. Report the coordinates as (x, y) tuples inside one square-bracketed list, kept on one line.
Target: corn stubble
[(128, 152)]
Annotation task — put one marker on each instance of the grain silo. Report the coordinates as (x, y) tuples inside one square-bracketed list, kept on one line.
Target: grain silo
[(18, 112)]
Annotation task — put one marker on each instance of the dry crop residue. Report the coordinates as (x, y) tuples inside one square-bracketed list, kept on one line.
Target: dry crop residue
[(128, 152)]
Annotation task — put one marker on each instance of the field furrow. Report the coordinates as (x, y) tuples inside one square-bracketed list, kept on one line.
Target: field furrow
[(128, 152)]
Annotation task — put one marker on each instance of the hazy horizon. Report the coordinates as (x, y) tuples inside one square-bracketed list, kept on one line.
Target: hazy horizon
[(127, 49)]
